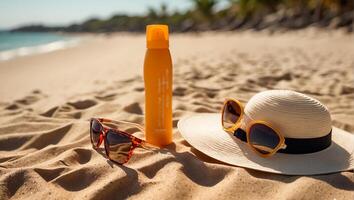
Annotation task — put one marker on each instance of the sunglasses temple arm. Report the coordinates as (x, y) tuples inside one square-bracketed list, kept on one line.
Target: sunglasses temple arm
[(148, 146), (103, 120), (283, 146), (143, 143)]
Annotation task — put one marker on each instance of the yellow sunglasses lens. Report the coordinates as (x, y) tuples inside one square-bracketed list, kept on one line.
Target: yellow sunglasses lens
[(231, 114), (263, 138)]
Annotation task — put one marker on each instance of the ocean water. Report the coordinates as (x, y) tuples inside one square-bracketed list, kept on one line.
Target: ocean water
[(21, 44)]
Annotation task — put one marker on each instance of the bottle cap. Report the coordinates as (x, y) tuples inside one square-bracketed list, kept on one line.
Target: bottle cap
[(157, 36)]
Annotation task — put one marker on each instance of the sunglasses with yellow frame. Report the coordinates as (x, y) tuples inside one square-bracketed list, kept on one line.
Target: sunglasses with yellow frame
[(258, 148)]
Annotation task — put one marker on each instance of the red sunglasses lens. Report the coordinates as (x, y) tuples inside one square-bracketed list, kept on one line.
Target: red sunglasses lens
[(95, 131), (118, 146)]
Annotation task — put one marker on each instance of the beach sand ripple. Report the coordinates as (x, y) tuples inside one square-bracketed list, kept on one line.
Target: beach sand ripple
[(47, 154)]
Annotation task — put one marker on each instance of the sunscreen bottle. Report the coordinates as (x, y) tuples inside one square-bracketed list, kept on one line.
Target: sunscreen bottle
[(158, 86)]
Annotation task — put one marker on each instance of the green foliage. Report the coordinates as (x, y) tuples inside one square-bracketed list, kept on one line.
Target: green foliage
[(203, 16), (251, 6), (205, 7)]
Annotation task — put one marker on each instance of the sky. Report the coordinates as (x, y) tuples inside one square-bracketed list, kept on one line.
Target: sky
[(14, 13)]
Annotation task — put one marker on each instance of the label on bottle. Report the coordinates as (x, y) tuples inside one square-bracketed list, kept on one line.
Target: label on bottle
[(164, 101)]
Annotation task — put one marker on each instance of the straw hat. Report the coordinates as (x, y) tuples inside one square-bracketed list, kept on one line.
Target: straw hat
[(295, 116)]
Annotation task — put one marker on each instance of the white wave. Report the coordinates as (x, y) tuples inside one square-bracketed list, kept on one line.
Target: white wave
[(24, 51)]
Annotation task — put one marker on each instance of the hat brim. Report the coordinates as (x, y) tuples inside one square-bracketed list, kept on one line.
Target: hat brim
[(204, 132)]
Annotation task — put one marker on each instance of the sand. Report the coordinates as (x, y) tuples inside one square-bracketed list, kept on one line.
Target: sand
[(46, 100)]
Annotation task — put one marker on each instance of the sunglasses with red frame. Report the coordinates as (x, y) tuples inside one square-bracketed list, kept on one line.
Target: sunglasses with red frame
[(119, 143)]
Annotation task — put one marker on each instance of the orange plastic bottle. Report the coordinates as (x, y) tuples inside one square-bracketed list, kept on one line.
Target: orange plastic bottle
[(158, 86)]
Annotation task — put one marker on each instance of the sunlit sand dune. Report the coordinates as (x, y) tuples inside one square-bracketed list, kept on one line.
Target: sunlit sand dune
[(47, 99)]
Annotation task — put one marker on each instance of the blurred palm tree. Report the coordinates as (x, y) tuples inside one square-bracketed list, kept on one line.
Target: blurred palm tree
[(205, 7), (257, 14), (163, 10), (251, 7), (157, 15)]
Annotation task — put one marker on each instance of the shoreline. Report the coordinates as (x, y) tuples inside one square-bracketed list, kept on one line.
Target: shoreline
[(39, 47), (100, 59), (76, 38)]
